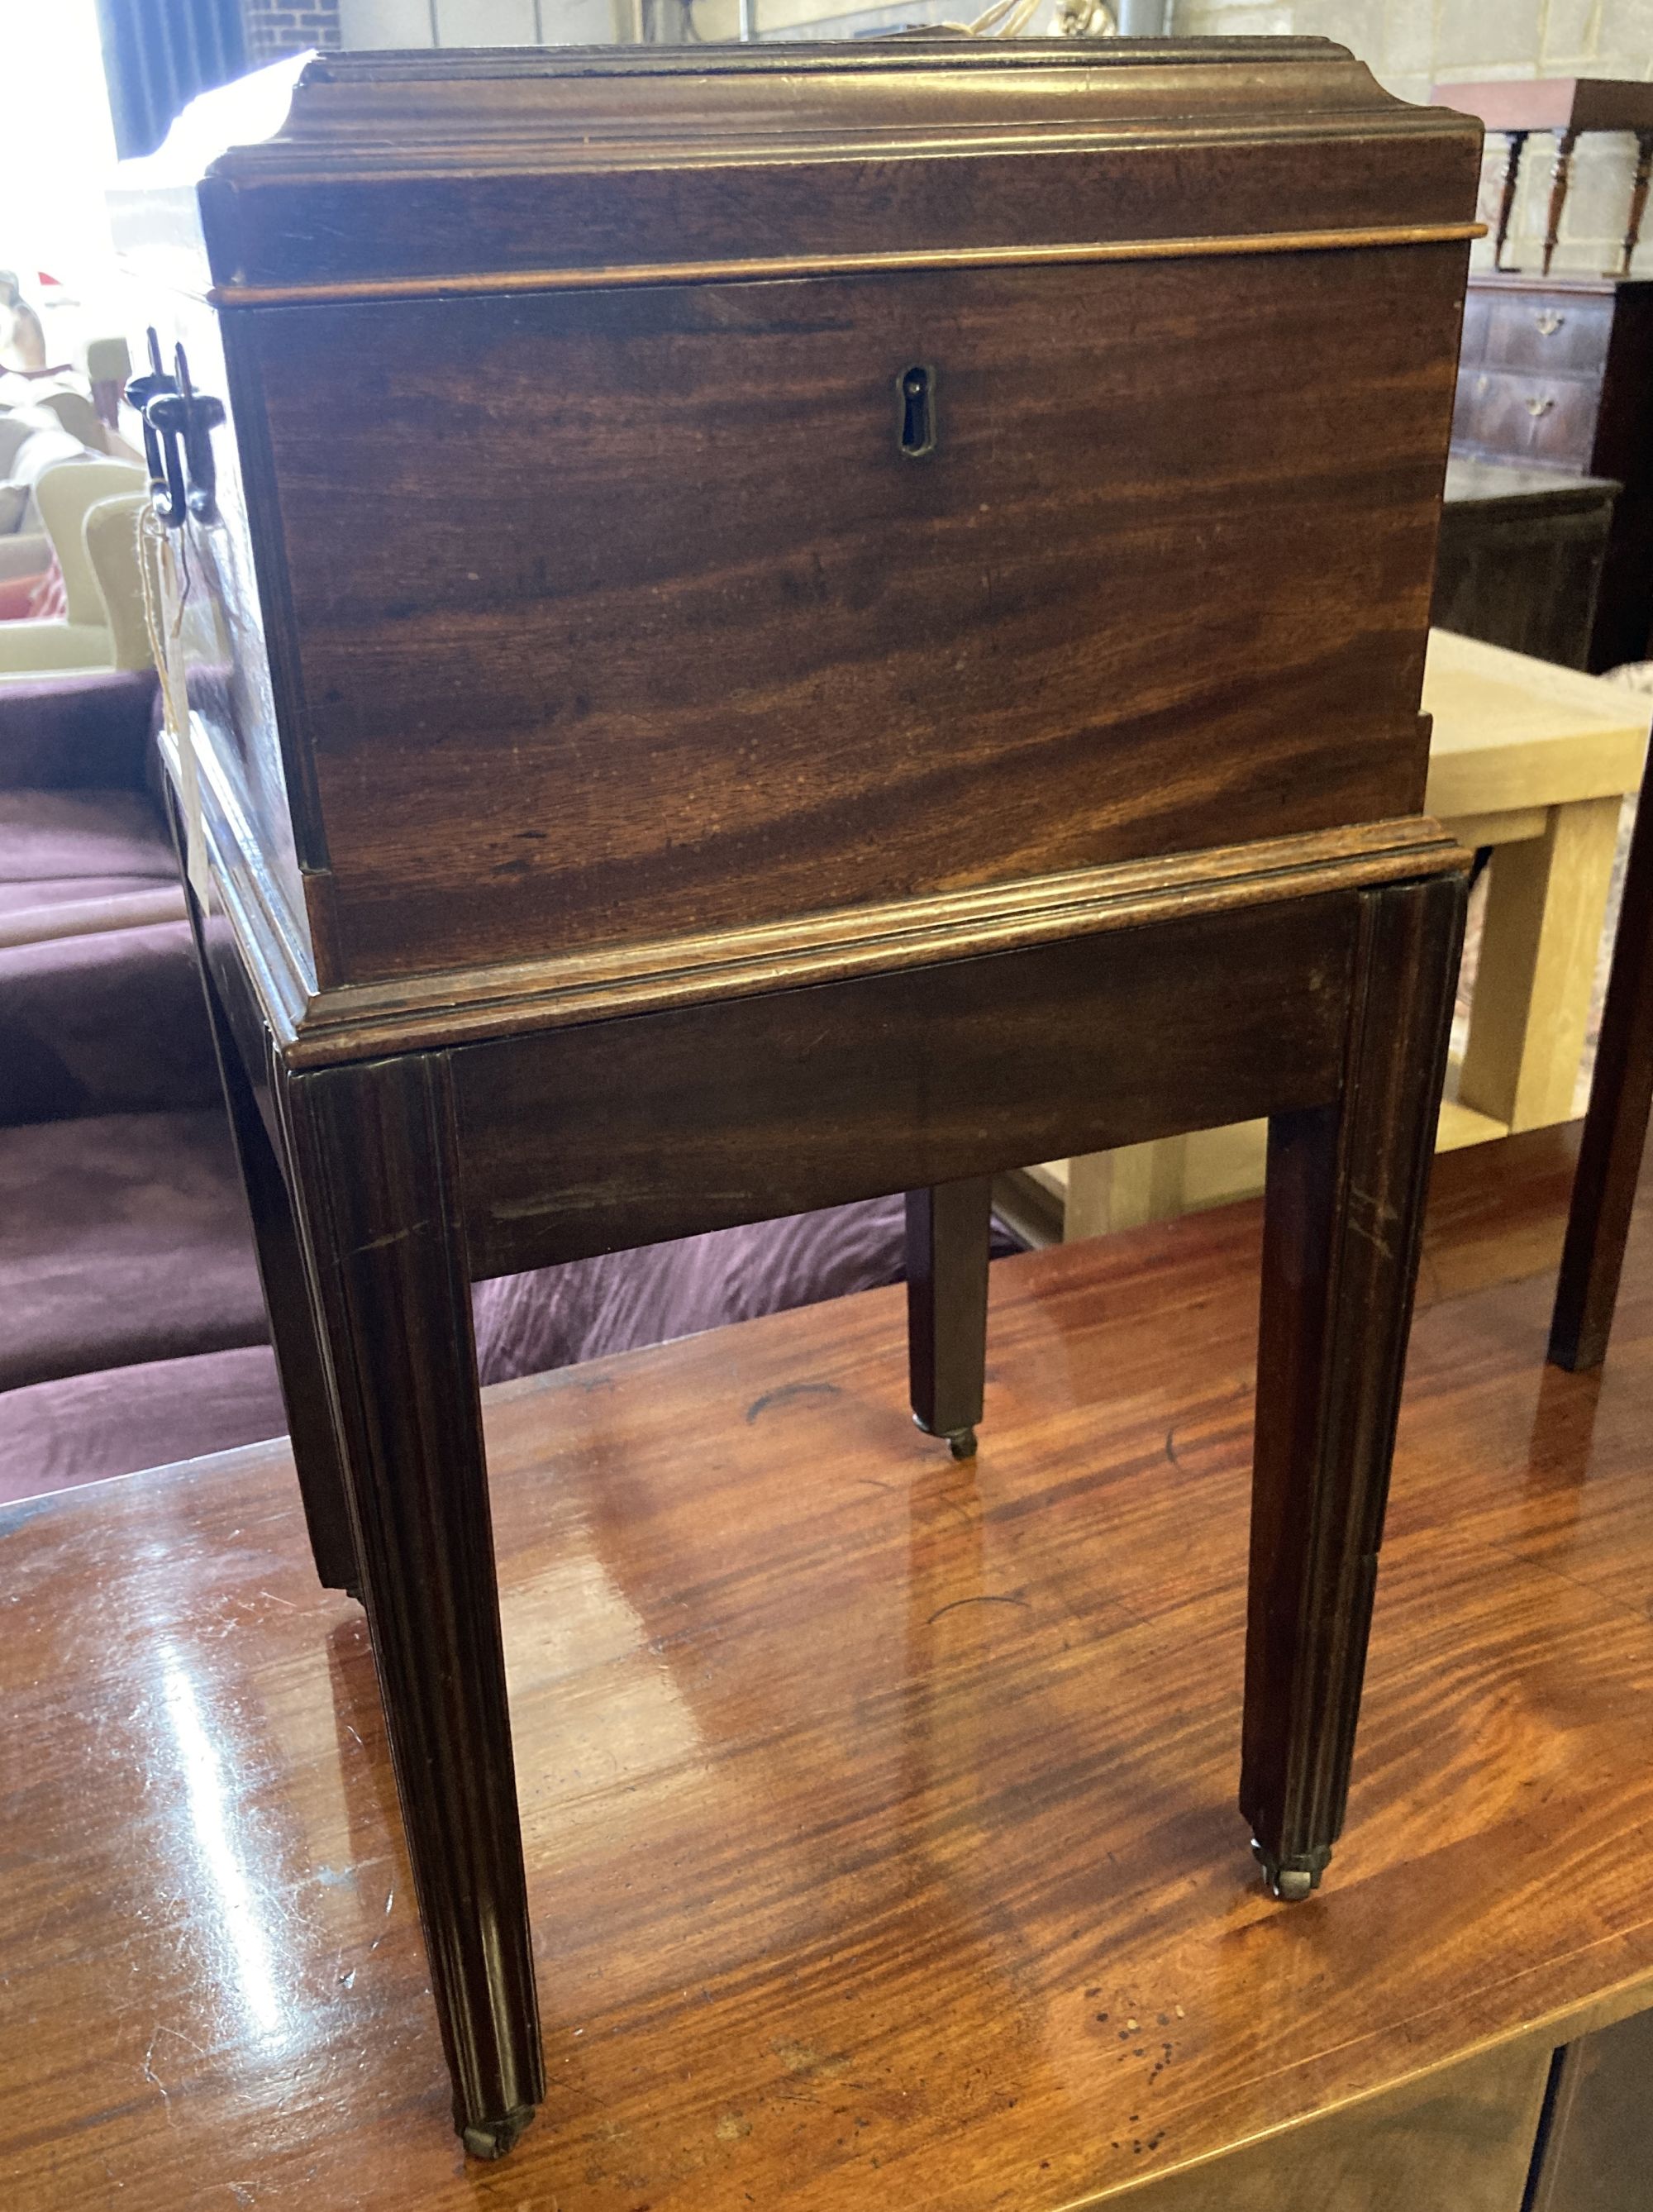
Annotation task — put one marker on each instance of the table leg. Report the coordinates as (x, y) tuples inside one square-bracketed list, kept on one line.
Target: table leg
[(377, 1181), (948, 1231), (1546, 900), (1565, 142), (1615, 1128), (1638, 183), (1343, 1214), (1124, 1189), (305, 1392), (1514, 141)]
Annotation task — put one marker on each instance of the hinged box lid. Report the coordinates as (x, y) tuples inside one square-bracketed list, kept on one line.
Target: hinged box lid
[(478, 168)]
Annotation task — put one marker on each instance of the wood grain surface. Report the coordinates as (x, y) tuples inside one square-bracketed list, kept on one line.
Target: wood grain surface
[(618, 1133), (623, 615), (879, 1815)]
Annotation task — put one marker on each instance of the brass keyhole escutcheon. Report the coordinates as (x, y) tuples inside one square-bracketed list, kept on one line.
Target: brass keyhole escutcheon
[(917, 386)]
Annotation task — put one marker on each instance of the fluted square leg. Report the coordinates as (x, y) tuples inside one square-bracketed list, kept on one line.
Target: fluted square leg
[(1344, 1206), (377, 1177)]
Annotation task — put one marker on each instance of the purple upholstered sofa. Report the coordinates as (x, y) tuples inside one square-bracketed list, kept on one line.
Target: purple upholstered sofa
[(131, 1328)]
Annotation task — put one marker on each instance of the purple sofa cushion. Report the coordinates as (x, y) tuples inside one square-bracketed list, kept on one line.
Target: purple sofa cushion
[(76, 732), (82, 1428), (55, 835), (587, 1308), (124, 1237), (109, 1024)]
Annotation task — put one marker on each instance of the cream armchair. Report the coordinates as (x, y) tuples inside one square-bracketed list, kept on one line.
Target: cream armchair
[(66, 495), (111, 547), (25, 549)]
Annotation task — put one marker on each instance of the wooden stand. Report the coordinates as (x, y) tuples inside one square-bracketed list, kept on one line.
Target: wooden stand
[(410, 1173)]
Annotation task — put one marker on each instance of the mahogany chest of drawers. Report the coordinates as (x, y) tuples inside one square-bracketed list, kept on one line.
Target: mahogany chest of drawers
[(1521, 555), (1557, 372)]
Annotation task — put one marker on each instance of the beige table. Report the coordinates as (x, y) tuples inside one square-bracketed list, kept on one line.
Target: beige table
[(1532, 760)]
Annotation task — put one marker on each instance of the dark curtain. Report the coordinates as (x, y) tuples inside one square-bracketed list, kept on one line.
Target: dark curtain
[(158, 54)]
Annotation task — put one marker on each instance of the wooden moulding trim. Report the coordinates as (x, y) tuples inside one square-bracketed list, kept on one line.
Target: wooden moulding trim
[(755, 270), (466, 1005)]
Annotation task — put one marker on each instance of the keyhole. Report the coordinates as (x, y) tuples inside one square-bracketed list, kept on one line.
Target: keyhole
[(917, 388)]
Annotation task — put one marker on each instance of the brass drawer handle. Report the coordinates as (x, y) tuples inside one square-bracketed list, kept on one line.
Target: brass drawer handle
[(1537, 407), (1549, 322)]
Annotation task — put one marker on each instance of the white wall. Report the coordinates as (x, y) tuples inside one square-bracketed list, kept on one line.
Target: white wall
[(593, 22), (476, 22), (56, 143), (56, 152)]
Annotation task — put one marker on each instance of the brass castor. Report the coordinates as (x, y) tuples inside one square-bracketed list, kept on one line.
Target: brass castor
[(961, 1442), (1298, 1879), (493, 2138)]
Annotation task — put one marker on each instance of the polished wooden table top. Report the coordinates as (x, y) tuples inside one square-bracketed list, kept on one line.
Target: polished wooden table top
[(877, 1808)]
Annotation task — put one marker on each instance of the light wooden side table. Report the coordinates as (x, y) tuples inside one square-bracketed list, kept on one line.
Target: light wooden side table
[(1527, 758)]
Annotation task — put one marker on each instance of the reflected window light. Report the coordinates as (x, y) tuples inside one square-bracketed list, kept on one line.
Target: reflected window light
[(246, 1938)]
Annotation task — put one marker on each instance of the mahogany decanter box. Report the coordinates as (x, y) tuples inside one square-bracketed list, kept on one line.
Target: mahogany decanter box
[(750, 627)]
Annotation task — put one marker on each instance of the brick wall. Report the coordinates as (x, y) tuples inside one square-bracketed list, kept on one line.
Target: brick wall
[(288, 26), (1411, 43)]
